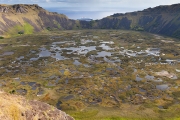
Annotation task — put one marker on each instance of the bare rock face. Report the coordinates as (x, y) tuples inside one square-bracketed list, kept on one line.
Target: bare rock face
[(38, 109), (20, 9), (37, 6), (4, 9), (32, 15), (15, 107)]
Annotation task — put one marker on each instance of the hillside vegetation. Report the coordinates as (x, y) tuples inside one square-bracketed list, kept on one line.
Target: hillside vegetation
[(28, 19)]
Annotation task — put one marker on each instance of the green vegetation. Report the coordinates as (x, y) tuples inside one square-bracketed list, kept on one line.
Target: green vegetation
[(58, 25), (138, 28), (21, 32), (26, 28), (1, 37), (95, 74), (84, 115), (49, 29)]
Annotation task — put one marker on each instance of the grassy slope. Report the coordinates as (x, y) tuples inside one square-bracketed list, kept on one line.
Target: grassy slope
[(21, 24), (26, 28)]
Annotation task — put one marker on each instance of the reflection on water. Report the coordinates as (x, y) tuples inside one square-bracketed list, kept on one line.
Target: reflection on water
[(56, 51), (44, 53), (33, 59), (103, 54), (76, 62), (20, 58), (7, 53), (58, 56), (138, 78), (105, 47), (149, 77), (162, 87)]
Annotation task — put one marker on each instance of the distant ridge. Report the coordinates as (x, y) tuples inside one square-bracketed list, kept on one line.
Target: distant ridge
[(27, 19), (163, 19), (85, 19)]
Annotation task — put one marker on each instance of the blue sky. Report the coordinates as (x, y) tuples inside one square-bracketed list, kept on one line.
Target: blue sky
[(95, 9)]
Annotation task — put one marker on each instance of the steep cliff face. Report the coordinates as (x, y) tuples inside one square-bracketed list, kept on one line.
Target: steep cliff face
[(160, 20), (57, 21), (15, 107), (28, 19)]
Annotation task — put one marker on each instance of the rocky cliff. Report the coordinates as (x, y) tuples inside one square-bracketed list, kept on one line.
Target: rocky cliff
[(15, 107), (160, 20), (21, 18)]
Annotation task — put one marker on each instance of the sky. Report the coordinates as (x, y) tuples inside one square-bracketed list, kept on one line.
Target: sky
[(95, 9)]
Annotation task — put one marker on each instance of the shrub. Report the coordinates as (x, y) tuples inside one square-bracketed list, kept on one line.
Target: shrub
[(12, 92), (49, 29), (21, 32), (1, 37)]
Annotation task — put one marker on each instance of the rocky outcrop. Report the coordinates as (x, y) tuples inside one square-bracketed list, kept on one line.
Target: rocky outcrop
[(30, 19), (4, 9), (15, 107), (20, 9), (56, 21), (17, 8)]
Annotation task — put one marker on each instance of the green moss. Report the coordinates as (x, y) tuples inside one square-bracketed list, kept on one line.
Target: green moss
[(58, 25), (137, 28), (26, 28), (81, 115), (1, 37), (176, 119), (122, 118), (49, 28), (114, 118)]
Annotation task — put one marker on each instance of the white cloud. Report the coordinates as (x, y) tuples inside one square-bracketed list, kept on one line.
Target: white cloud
[(106, 6), (99, 3), (48, 1)]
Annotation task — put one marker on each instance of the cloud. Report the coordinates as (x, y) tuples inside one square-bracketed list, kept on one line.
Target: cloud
[(110, 3), (94, 5)]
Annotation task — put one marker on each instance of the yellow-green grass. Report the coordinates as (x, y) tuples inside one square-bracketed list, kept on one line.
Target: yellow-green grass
[(26, 28)]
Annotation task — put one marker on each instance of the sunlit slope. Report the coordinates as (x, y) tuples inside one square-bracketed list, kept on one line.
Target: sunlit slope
[(27, 19)]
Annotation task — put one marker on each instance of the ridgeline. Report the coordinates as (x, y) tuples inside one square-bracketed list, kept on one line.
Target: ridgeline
[(27, 19)]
